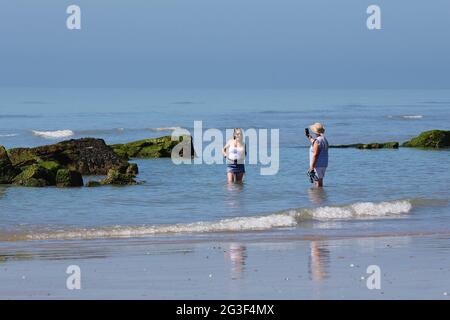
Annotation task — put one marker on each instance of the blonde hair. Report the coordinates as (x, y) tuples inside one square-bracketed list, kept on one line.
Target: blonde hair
[(241, 136)]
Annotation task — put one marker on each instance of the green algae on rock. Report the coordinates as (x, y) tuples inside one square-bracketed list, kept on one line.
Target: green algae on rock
[(433, 139), (7, 170), (132, 169), (115, 177), (93, 184), (34, 176), (66, 178), (374, 145), (151, 148), (88, 156)]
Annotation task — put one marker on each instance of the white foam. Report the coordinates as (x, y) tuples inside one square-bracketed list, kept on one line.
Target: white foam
[(227, 225), (289, 218), (414, 116), (164, 129), (359, 210), (9, 135), (418, 116), (53, 134)]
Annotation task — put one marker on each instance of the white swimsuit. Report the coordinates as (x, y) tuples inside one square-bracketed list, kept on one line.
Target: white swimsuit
[(236, 153)]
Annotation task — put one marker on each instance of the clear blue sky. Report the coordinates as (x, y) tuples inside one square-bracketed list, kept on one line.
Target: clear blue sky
[(225, 44)]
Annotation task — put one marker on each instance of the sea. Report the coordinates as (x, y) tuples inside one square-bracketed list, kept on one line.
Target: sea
[(382, 192)]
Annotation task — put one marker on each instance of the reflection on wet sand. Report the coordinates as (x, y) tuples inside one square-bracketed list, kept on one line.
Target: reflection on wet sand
[(319, 261), (237, 255), (317, 196)]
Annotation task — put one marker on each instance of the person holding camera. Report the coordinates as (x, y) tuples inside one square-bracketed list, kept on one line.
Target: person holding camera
[(318, 154)]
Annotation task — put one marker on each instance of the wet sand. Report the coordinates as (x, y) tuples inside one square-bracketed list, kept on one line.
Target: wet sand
[(412, 267)]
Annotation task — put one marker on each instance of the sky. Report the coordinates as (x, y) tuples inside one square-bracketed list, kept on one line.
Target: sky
[(274, 44)]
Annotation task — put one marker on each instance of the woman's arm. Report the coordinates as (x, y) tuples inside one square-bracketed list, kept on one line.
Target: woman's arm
[(316, 152), (224, 150)]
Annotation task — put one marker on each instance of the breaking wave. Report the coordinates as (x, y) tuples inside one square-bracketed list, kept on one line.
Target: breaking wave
[(418, 116), (163, 129), (53, 134), (407, 117), (283, 219), (122, 130), (68, 133), (9, 135)]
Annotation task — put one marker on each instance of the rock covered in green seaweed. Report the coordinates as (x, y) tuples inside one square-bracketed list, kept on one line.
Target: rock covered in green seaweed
[(66, 178), (374, 145), (115, 177), (88, 156), (62, 164), (93, 184), (121, 176), (435, 139), (7, 170), (132, 169), (34, 176), (151, 148), (52, 166)]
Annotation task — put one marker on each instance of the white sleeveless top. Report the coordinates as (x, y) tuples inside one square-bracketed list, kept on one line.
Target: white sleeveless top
[(236, 152), (322, 160)]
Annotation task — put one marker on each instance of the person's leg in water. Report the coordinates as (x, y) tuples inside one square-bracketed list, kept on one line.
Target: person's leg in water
[(239, 177), (320, 173), (230, 177)]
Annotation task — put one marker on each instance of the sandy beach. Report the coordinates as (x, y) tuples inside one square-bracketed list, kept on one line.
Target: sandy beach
[(412, 267)]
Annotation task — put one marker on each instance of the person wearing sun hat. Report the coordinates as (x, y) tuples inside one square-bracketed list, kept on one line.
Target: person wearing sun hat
[(318, 154)]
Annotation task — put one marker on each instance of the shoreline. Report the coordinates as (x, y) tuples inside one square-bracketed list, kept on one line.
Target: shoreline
[(228, 268), (256, 236)]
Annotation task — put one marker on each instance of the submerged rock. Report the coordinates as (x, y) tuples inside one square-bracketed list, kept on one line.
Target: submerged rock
[(115, 177), (374, 145), (152, 148), (34, 176), (88, 156), (93, 184), (132, 169), (435, 139), (7, 170), (66, 178)]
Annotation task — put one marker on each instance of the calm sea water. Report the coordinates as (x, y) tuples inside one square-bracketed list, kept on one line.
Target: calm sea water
[(367, 192)]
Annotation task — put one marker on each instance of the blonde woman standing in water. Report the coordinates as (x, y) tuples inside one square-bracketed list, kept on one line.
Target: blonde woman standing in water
[(235, 152)]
